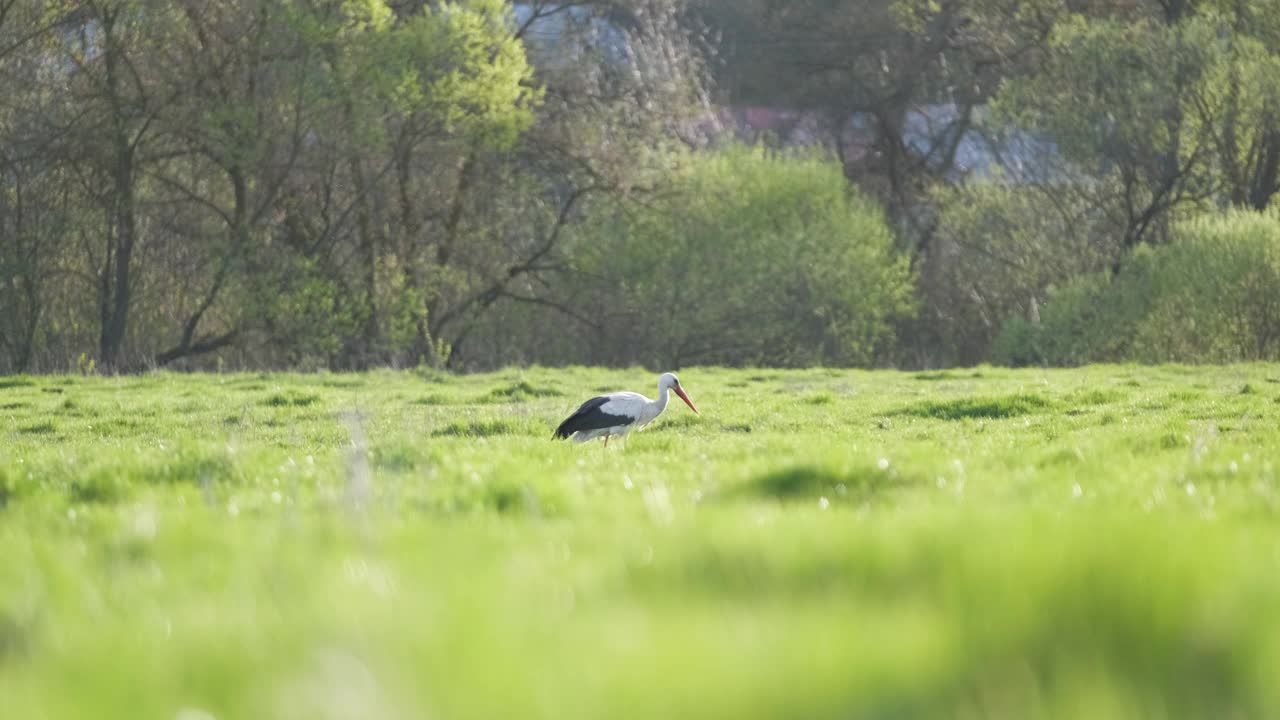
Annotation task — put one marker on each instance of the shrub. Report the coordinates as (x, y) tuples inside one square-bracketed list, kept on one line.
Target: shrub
[(1216, 293), (1212, 295), (753, 258), (996, 249)]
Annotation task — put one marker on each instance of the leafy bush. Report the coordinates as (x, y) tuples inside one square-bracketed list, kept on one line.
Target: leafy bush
[(996, 249), (755, 258), (1213, 295), (1217, 293)]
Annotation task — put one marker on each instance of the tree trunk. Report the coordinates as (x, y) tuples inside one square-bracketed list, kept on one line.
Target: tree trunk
[(1266, 179), (436, 317), (371, 340), (116, 313), (117, 280)]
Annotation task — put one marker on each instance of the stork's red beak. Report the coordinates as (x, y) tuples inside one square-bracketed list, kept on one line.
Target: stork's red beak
[(687, 401)]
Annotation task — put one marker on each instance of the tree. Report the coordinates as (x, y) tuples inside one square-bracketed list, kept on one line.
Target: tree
[(35, 204), (875, 61), (1166, 111), (105, 141), (999, 247), (1239, 102), (622, 80), (1113, 96), (1159, 111)]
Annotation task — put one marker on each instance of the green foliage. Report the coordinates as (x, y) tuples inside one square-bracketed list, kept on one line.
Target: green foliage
[(236, 150), (309, 313), (1105, 550), (1238, 106), (454, 67), (1163, 111), (1080, 321), (1216, 292), (1213, 295), (1113, 90), (485, 93), (348, 183), (752, 257), (999, 245)]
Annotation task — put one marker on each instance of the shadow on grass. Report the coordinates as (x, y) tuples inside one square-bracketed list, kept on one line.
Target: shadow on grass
[(976, 408), (519, 392), (15, 637), (101, 486), (681, 422), (811, 482), (431, 400), (496, 495), (507, 498), (291, 399), (483, 428), (402, 456), (113, 482), (1096, 397), (938, 375), (432, 375), (342, 383), (70, 408)]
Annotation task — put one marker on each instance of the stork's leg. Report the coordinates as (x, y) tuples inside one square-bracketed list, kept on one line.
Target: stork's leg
[(606, 441)]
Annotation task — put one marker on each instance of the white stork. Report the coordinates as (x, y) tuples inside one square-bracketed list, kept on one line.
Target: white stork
[(619, 413)]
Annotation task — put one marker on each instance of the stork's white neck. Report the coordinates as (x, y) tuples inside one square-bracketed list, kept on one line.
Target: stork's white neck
[(661, 403)]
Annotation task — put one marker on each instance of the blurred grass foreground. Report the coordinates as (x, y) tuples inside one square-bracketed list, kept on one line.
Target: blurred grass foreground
[(1092, 543)]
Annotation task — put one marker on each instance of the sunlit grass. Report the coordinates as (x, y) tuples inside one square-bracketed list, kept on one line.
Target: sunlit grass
[(1091, 543)]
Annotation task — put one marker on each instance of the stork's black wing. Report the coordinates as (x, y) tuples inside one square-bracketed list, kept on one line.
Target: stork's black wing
[(589, 417)]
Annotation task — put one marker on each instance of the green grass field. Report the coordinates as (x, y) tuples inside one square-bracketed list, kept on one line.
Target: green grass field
[(1097, 543)]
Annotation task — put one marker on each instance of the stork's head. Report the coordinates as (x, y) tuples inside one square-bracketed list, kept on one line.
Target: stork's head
[(669, 380)]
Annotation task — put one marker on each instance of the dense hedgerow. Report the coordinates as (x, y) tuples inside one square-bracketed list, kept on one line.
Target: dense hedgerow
[(1212, 295)]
